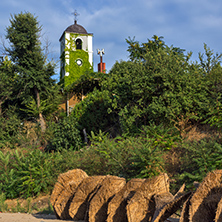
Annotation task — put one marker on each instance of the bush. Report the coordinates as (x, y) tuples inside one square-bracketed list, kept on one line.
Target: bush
[(66, 135), (130, 157), (27, 174), (198, 159), (93, 113), (10, 127)]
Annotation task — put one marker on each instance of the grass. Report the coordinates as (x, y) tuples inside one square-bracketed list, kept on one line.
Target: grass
[(3, 204)]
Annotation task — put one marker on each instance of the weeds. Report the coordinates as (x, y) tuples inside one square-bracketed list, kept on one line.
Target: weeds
[(199, 158), (3, 205), (29, 173), (26, 174)]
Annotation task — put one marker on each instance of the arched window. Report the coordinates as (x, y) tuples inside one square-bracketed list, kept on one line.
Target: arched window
[(78, 44)]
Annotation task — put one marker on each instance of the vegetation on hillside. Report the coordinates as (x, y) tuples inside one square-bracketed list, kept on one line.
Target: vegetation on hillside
[(136, 118)]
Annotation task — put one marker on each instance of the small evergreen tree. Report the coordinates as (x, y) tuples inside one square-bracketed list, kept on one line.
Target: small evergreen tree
[(35, 74)]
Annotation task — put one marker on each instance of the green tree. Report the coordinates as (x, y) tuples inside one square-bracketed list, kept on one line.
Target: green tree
[(8, 80), (85, 84), (162, 87), (35, 74), (211, 68), (137, 51), (66, 135), (93, 113)]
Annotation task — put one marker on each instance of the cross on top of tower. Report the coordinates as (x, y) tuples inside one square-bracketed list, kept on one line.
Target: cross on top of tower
[(76, 14)]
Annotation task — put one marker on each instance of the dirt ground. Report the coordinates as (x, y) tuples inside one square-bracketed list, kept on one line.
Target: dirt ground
[(22, 217), (39, 208)]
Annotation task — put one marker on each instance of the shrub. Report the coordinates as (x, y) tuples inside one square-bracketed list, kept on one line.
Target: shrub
[(164, 137), (93, 113), (130, 157), (27, 174), (66, 135), (199, 158), (10, 126)]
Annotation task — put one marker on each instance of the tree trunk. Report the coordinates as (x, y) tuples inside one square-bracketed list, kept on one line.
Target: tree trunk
[(67, 104), (41, 118)]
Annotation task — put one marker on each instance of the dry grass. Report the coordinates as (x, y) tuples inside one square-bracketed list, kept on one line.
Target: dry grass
[(39, 204), (199, 132)]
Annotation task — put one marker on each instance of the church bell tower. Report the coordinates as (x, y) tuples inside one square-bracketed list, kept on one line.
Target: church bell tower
[(76, 53)]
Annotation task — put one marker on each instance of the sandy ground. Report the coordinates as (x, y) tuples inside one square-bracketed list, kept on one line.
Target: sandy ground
[(39, 217), (21, 217)]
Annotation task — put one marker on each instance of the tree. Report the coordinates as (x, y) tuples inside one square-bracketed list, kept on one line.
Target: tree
[(7, 83), (157, 85), (211, 68), (138, 51), (35, 74), (85, 84)]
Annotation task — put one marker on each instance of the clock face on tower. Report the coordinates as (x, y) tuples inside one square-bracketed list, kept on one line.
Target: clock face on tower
[(79, 62)]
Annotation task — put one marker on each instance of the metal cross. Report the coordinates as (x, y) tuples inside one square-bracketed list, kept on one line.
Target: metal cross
[(75, 13)]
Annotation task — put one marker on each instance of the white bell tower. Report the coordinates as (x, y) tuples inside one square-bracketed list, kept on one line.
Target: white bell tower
[(76, 52)]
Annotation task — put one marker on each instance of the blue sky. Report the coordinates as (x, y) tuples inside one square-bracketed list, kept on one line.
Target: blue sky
[(187, 24)]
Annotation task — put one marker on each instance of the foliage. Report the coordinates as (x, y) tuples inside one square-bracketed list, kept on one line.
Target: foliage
[(96, 139), (212, 69), (215, 113), (164, 137), (25, 174), (198, 159), (93, 113), (72, 54), (162, 89), (85, 84), (8, 81), (131, 157), (66, 135), (10, 128), (146, 160), (3, 205), (25, 51), (138, 51), (48, 105), (209, 62), (140, 156)]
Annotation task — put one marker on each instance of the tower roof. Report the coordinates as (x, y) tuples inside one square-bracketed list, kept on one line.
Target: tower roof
[(75, 28)]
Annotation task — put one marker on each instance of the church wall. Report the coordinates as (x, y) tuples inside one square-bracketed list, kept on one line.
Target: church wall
[(90, 49)]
